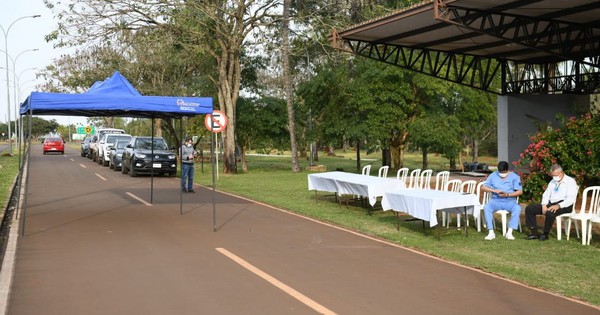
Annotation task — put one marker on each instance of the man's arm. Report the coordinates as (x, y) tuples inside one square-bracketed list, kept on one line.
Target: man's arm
[(572, 190)]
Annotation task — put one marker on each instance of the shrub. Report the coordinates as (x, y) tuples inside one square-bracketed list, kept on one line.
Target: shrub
[(575, 146)]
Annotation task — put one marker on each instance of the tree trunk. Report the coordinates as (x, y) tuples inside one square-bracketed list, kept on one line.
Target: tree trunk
[(287, 81), (475, 149), (244, 164), (425, 163), (229, 83), (386, 157)]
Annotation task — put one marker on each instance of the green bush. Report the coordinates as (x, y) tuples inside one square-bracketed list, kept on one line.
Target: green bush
[(575, 146)]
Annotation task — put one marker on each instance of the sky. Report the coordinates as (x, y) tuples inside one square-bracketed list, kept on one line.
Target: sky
[(24, 35)]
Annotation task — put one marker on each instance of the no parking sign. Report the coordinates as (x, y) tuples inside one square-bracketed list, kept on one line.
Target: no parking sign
[(216, 122)]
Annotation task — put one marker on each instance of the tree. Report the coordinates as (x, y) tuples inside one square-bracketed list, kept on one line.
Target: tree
[(436, 133), (213, 27), (40, 127)]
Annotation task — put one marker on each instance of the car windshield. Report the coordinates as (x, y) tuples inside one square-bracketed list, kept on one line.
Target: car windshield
[(122, 144), (113, 139), (146, 144), (53, 140)]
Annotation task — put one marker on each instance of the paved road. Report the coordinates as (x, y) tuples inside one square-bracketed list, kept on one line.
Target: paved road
[(92, 247)]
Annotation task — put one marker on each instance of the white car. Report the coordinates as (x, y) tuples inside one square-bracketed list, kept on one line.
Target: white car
[(109, 140), (94, 144)]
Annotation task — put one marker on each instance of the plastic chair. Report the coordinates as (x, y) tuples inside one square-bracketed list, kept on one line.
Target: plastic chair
[(589, 209), (594, 219), (483, 197), (565, 216), (383, 171), (504, 219), (366, 170), (425, 179), (414, 178), (468, 187), (402, 174), (441, 179), (451, 185)]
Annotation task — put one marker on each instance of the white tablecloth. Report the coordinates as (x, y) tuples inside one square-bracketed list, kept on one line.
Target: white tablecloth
[(344, 183), (424, 203)]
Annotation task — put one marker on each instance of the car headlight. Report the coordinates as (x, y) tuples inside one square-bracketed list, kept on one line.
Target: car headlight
[(140, 156), (171, 157)]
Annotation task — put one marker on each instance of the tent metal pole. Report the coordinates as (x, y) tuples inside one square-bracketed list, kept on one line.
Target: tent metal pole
[(152, 164), (21, 163), (212, 157), (28, 162), (180, 164)]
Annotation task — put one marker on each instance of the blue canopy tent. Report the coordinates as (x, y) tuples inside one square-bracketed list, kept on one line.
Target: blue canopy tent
[(114, 96)]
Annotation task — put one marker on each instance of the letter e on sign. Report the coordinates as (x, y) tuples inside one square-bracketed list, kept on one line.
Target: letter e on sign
[(216, 122)]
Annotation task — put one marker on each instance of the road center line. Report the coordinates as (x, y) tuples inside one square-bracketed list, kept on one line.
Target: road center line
[(82, 165), (282, 286), (138, 199), (102, 178)]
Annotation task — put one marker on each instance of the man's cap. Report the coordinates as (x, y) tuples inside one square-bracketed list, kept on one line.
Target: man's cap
[(502, 166)]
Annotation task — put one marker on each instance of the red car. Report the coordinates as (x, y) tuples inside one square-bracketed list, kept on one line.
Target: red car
[(54, 144)]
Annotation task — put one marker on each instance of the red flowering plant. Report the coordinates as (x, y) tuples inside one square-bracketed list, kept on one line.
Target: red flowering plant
[(575, 146)]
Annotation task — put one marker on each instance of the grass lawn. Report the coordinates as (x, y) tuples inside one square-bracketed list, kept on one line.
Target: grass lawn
[(563, 267), (9, 166)]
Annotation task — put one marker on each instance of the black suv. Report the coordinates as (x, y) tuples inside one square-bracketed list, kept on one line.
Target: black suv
[(138, 157)]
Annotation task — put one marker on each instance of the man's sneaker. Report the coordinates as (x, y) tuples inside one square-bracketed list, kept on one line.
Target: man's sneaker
[(191, 191), (510, 237), (184, 190), (490, 236)]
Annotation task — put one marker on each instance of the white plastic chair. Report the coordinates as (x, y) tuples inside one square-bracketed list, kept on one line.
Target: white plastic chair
[(383, 171), (451, 185), (504, 219), (483, 197), (594, 219), (589, 209), (467, 187), (402, 174), (366, 170), (441, 179), (413, 181), (425, 179), (565, 216)]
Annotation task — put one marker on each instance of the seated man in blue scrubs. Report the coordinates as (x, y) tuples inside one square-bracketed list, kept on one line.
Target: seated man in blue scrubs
[(505, 187)]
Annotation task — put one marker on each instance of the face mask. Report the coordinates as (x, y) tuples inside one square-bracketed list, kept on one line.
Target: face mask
[(189, 145), (556, 178), (503, 175)]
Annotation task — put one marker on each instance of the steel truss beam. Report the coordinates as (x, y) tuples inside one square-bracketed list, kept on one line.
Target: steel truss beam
[(573, 64), (560, 39), (474, 71), (497, 76)]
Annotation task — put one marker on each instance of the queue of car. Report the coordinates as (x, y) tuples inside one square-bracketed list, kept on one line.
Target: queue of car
[(131, 155)]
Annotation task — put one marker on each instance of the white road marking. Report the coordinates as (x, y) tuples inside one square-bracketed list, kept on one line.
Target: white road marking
[(282, 286), (102, 178), (72, 160), (139, 199), (82, 165)]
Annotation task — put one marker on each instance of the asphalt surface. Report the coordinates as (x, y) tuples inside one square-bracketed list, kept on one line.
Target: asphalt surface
[(93, 246)]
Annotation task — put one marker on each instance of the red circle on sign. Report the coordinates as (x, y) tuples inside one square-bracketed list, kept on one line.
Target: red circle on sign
[(216, 122)]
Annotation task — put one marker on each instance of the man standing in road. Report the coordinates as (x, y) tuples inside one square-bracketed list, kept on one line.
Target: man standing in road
[(187, 166)]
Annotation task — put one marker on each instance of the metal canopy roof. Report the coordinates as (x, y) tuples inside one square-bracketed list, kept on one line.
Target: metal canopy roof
[(490, 34)]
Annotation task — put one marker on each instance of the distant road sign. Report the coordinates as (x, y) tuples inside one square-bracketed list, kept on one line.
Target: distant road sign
[(88, 129), (216, 122)]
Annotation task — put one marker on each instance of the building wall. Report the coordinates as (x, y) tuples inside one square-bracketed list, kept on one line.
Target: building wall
[(521, 116)]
